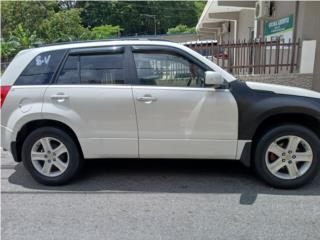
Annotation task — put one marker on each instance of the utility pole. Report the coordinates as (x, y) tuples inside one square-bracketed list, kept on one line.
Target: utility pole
[(154, 19)]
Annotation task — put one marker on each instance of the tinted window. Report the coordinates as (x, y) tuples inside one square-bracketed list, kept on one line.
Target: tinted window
[(70, 72), (163, 69), (93, 69), (41, 69)]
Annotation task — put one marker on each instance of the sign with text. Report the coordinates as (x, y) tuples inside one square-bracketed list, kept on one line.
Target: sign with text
[(281, 28)]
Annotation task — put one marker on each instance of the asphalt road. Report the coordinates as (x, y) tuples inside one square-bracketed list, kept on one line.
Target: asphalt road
[(147, 199)]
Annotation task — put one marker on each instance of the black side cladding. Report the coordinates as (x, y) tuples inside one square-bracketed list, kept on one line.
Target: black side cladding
[(255, 106)]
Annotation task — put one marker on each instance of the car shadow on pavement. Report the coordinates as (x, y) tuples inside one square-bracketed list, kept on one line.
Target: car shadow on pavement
[(163, 176)]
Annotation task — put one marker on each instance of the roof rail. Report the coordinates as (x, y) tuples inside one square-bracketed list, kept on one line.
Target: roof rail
[(100, 40)]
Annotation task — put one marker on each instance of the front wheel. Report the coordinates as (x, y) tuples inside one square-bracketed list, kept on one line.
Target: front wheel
[(288, 156), (51, 156)]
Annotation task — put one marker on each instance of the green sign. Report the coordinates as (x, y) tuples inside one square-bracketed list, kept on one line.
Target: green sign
[(282, 28)]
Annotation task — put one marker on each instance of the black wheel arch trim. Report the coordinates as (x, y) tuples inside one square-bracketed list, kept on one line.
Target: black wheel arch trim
[(14, 151), (256, 106)]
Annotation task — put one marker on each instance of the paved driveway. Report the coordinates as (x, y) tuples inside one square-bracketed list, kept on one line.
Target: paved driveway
[(147, 199)]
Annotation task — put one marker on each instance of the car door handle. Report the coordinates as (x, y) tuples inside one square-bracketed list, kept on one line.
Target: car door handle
[(60, 97), (147, 99)]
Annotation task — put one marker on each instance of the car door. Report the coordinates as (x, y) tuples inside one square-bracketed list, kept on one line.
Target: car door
[(92, 95), (178, 117)]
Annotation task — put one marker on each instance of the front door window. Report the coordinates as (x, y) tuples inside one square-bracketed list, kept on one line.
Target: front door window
[(165, 69)]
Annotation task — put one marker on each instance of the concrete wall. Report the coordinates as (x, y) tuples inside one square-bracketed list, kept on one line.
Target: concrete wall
[(294, 79), (308, 29), (177, 37), (180, 38), (284, 8), (245, 24), (307, 56), (240, 26), (229, 36), (247, 4)]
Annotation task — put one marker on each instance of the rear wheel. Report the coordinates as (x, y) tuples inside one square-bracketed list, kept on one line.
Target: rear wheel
[(51, 156), (288, 156)]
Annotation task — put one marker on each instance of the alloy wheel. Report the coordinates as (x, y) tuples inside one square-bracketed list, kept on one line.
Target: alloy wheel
[(289, 157), (50, 157)]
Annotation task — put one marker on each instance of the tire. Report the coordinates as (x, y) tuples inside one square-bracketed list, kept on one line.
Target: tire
[(51, 167), (296, 168)]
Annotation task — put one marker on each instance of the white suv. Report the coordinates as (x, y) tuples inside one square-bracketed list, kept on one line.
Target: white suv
[(64, 103)]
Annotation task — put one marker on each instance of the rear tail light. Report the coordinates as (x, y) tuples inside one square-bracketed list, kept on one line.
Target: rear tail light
[(4, 93)]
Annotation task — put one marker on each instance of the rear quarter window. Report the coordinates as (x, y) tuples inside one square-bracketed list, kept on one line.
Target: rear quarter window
[(41, 69)]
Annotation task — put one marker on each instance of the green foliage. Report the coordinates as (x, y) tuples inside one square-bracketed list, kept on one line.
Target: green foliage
[(29, 14), (8, 49), (23, 37), (181, 29), (105, 31), (20, 23), (62, 26), (199, 5), (129, 15), (25, 23), (19, 39)]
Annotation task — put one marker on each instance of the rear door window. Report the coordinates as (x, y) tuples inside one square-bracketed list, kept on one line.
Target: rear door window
[(70, 72), (93, 69), (41, 69)]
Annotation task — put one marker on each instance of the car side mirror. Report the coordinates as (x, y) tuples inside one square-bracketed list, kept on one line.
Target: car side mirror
[(213, 79)]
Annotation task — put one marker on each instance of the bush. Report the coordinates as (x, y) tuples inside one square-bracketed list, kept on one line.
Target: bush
[(181, 29), (105, 31), (8, 50), (19, 39)]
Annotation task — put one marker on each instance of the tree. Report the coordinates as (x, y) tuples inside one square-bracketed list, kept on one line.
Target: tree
[(96, 13), (105, 31), (67, 4), (64, 25), (25, 23), (29, 14), (8, 50), (199, 7), (129, 15), (181, 29), (24, 38), (18, 40)]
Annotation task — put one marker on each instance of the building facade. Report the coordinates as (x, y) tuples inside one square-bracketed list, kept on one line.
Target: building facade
[(250, 20)]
